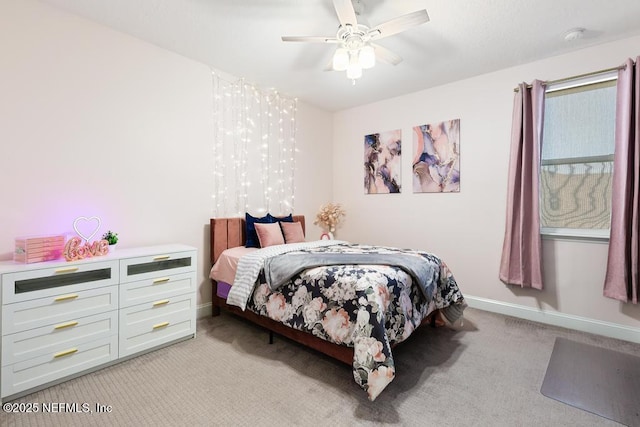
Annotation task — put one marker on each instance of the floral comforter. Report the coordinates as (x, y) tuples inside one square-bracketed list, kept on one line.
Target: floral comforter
[(367, 307)]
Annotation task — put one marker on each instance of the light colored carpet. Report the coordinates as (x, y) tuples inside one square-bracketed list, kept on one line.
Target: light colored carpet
[(488, 373)]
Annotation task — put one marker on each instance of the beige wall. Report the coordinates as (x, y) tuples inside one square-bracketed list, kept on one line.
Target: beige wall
[(95, 122), (466, 229)]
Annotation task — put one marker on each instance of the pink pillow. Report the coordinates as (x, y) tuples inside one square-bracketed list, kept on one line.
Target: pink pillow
[(292, 232), (269, 234)]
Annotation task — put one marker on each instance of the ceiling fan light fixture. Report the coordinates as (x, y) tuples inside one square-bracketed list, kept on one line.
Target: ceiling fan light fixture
[(354, 38), (340, 59), (354, 70), (367, 57)]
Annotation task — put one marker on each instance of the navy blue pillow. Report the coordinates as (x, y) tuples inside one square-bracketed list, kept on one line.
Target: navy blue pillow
[(288, 218), (252, 236)]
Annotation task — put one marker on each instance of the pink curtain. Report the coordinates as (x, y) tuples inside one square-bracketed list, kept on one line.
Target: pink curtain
[(522, 248), (621, 281)]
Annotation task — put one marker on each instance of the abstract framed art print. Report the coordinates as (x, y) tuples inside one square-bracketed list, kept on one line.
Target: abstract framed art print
[(382, 162), (436, 157)]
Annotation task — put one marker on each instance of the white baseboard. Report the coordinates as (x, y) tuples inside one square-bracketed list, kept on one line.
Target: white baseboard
[(568, 321), (204, 310)]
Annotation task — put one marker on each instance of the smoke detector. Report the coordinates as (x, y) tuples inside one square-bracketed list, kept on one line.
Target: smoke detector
[(574, 34)]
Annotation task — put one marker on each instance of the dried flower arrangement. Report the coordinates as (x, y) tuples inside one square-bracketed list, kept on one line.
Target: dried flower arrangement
[(330, 216)]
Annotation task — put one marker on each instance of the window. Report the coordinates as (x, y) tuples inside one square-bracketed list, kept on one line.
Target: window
[(577, 157)]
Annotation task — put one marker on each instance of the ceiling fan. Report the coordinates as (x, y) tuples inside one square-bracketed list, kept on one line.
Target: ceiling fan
[(356, 50)]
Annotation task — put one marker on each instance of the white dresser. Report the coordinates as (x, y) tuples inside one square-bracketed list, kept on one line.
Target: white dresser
[(62, 319)]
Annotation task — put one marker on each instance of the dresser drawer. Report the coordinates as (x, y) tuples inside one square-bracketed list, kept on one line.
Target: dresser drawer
[(145, 326), (57, 337), (151, 290), (44, 282), (157, 266), (60, 308), (50, 367)]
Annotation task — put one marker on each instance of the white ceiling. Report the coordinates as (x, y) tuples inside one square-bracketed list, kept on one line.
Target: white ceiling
[(463, 38)]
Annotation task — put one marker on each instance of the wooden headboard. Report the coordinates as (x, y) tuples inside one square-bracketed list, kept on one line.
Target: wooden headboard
[(231, 232)]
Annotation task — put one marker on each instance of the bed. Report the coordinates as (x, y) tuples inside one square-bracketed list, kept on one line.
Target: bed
[(351, 302)]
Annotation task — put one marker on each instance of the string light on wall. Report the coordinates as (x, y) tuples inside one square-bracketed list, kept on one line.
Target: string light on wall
[(253, 149)]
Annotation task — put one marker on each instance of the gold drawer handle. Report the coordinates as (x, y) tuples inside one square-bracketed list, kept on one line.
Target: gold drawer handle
[(67, 270), (65, 325), (160, 325), (161, 280), (162, 302), (66, 297), (65, 353), (161, 257)]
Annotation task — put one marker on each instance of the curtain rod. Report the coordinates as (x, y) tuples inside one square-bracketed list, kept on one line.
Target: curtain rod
[(566, 79)]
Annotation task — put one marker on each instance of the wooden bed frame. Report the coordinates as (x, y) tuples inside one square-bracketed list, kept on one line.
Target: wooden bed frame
[(229, 233)]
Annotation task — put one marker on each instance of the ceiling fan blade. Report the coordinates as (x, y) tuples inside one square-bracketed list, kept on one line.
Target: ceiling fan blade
[(346, 12), (385, 55), (399, 24), (309, 39)]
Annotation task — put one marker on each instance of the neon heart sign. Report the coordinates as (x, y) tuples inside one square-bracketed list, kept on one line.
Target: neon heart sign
[(88, 226)]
